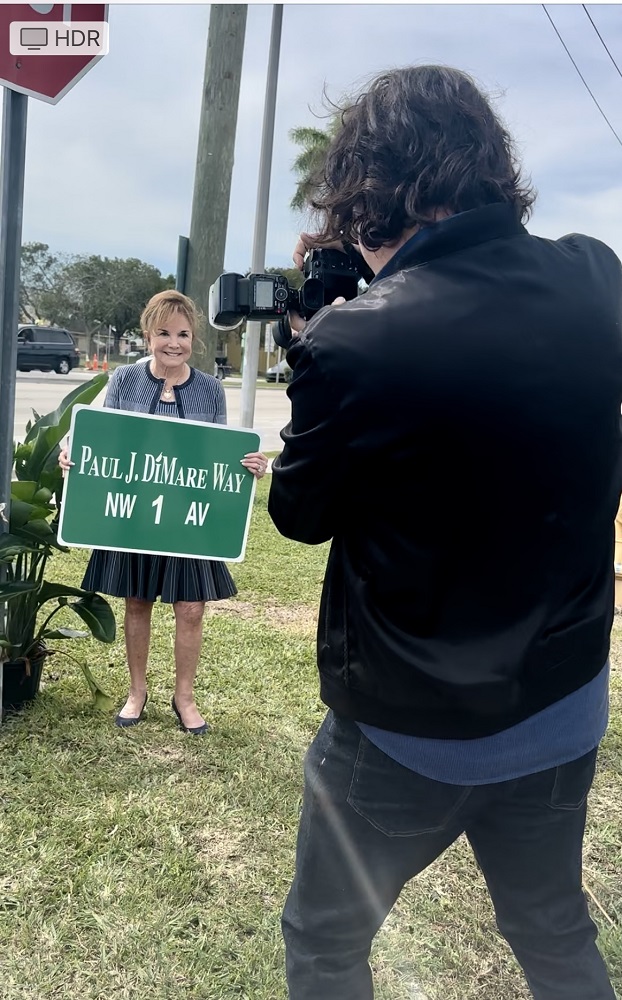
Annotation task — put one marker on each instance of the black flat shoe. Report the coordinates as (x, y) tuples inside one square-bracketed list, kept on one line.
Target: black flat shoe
[(124, 722), (196, 731)]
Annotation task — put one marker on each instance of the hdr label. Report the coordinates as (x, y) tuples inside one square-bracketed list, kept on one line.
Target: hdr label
[(58, 38)]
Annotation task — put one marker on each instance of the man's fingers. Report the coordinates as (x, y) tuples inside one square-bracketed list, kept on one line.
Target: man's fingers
[(306, 241), (296, 322)]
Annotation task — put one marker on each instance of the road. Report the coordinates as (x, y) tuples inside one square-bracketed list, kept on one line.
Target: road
[(45, 390)]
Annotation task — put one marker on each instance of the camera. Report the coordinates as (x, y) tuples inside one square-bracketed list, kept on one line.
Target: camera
[(328, 274)]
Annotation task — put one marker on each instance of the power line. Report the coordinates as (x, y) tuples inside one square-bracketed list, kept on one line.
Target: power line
[(585, 84), (602, 39)]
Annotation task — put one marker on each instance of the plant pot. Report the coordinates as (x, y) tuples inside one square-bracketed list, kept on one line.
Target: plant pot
[(21, 679)]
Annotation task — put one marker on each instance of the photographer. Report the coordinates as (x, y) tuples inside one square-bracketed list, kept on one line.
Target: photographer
[(470, 490)]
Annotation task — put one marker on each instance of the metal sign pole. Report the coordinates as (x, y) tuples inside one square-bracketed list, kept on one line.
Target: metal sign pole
[(253, 329), (12, 162)]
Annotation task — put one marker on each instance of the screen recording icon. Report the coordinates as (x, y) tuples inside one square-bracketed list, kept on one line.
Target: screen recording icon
[(33, 39)]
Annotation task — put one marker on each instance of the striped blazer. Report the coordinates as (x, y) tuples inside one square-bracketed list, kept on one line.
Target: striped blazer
[(134, 389)]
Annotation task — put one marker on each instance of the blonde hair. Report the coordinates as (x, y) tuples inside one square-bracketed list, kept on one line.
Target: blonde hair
[(163, 305)]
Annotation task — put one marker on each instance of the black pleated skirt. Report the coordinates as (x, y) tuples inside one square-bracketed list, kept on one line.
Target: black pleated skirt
[(130, 574)]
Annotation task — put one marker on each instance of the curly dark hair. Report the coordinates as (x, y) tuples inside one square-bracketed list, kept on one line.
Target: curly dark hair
[(418, 140)]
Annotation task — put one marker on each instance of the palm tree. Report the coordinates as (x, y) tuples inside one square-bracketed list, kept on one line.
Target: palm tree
[(309, 162)]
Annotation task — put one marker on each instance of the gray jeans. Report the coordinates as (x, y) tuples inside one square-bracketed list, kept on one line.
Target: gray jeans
[(369, 825)]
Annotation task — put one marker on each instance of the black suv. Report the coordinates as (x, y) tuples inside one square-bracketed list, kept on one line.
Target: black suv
[(46, 348)]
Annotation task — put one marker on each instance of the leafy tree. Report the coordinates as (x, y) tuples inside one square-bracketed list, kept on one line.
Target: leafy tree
[(39, 276), (293, 275), (87, 292), (112, 292), (310, 161)]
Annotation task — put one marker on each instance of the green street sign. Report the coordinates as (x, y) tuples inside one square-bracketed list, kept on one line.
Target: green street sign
[(157, 485)]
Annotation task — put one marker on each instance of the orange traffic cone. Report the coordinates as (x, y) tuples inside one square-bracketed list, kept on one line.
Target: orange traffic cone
[(87, 363), (95, 364), (105, 363)]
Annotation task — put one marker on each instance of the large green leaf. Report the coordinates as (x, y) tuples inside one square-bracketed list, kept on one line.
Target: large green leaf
[(95, 612), (43, 495), (52, 479), (64, 633), (21, 456), (47, 439), (11, 546), (102, 702), (35, 531), (44, 452), (24, 490), (84, 393), (8, 591), (93, 609), (52, 590), (21, 514), (36, 416), (41, 534)]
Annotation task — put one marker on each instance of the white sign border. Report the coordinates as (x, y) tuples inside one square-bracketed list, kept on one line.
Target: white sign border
[(150, 552)]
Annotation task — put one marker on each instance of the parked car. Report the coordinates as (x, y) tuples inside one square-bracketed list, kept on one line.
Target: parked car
[(221, 367), (46, 348), (284, 372)]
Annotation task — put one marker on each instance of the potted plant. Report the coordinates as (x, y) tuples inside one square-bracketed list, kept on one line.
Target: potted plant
[(29, 601)]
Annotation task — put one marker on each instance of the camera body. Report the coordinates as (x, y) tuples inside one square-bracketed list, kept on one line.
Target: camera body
[(269, 297)]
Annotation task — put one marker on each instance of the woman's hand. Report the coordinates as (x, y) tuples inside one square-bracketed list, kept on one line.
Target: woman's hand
[(256, 462), (64, 461)]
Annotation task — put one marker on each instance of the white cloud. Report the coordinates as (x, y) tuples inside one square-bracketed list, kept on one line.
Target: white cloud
[(597, 214), (110, 169)]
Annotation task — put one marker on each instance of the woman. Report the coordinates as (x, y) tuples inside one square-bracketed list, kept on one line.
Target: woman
[(166, 385)]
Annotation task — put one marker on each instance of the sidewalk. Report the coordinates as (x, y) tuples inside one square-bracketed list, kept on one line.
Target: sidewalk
[(43, 392)]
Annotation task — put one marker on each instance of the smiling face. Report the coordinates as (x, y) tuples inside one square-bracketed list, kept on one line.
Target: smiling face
[(170, 341)]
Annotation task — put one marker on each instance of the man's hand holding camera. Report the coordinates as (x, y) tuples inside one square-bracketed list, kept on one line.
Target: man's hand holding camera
[(331, 275), (307, 242)]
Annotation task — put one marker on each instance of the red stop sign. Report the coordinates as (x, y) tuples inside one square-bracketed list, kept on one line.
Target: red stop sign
[(45, 77)]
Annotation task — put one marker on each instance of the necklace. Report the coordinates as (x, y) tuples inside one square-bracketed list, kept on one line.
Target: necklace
[(167, 392)]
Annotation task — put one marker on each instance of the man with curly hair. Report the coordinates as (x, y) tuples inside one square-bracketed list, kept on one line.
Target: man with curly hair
[(456, 432)]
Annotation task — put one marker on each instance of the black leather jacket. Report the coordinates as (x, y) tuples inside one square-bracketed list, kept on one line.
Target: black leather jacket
[(456, 432)]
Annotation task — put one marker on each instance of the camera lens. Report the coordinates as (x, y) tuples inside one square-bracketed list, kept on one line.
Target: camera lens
[(312, 296)]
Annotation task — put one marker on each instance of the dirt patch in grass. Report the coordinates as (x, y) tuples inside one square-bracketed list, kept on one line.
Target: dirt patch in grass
[(298, 618), (239, 609)]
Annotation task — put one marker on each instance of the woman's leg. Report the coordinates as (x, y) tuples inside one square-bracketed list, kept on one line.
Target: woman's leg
[(188, 638), (137, 635)]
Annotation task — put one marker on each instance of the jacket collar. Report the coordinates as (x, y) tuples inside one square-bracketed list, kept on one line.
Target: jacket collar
[(458, 232)]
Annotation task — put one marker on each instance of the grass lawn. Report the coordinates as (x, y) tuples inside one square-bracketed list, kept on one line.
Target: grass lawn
[(148, 865)]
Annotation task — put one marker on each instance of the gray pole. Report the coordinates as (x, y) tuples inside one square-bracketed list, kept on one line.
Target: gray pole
[(253, 329), (182, 262), (212, 179), (12, 162)]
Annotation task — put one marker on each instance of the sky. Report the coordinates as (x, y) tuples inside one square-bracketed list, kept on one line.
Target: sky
[(110, 169)]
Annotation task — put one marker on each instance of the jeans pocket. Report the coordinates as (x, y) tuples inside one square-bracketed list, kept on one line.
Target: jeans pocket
[(319, 748), (573, 782), (397, 801)]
